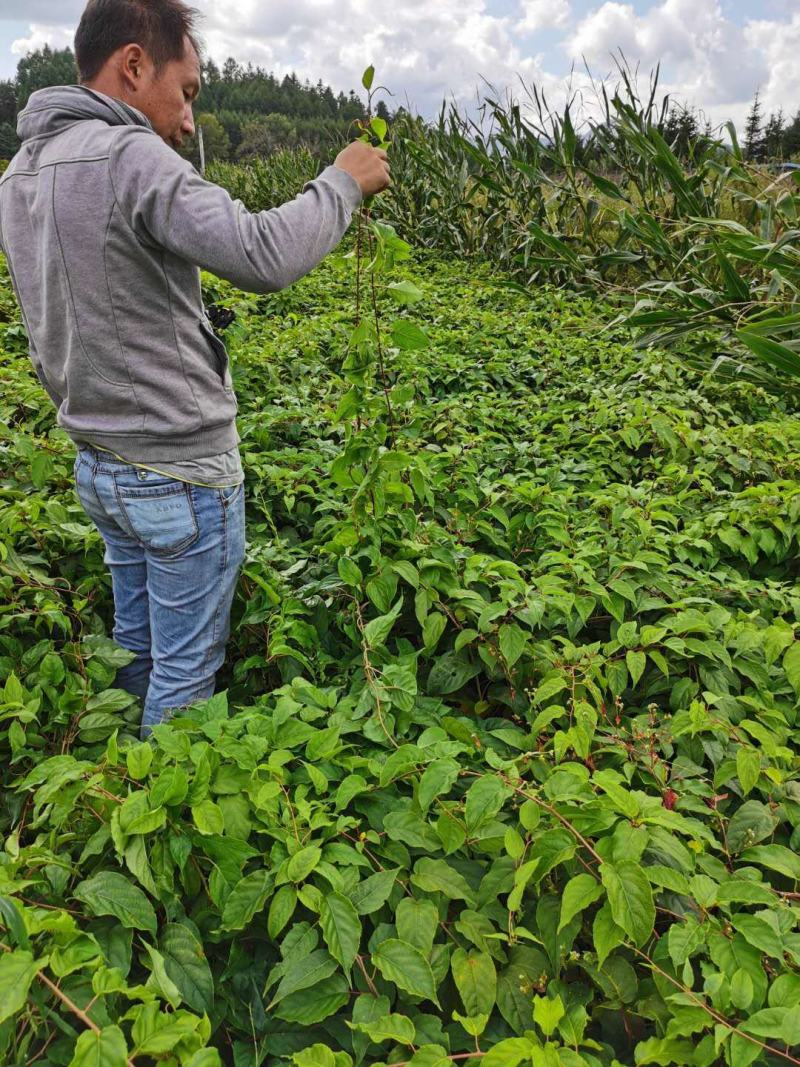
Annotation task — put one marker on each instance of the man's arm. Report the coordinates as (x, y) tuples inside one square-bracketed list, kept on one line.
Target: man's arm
[(168, 204)]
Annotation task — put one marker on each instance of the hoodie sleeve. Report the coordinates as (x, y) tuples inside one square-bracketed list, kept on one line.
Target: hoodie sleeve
[(168, 204)]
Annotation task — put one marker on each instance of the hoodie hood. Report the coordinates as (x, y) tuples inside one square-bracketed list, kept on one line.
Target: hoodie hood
[(51, 111)]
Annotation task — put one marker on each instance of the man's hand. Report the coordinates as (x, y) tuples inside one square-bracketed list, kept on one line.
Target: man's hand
[(369, 166)]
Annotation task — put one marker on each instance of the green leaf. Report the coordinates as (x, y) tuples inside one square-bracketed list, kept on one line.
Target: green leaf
[(155, 1032), (760, 934), (310, 1006), (630, 898), (17, 971), (437, 779), (109, 893), (371, 894), (432, 629), (408, 337), (605, 933), (791, 664), (579, 893), (522, 876), (367, 77), (395, 1028), (665, 1051), (160, 981), (476, 980), (742, 1052), (771, 1023), (110, 700), (450, 673), (170, 788), (314, 1056), (378, 125), (104, 1049), (248, 897), (377, 631), (548, 1013), (430, 1056), (751, 823), (636, 662), (139, 759), (205, 1057), (303, 863), (745, 891), (684, 939), (742, 990), (485, 798), (437, 876), (208, 817), (136, 816), (405, 292), (748, 768), (549, 688), (341, 928), (773, 353), (304, 973), (417, 922), (187, 967), (775, 858), (405, 965), (281, 909), (11, 918), (530, 815), (509, 1053), (349, 572), (411, 829), (513, 642)]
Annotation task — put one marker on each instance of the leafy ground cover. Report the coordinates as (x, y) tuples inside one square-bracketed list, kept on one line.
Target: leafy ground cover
[(503, 766)]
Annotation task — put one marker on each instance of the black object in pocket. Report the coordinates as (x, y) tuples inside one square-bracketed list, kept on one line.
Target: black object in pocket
[(220, 317)]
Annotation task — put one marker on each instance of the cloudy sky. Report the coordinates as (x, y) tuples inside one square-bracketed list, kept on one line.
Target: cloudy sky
[(713, 53)]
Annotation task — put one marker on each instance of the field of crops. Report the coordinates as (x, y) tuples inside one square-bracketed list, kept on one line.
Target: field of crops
[(503, 765)]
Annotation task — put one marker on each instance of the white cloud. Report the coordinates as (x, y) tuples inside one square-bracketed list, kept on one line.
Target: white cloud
[(706, 57), (429, 50), (39, 36), (543, 15), (423, 51), (780, 47)]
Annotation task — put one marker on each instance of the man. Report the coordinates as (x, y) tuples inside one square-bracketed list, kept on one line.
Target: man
[(104, 227)]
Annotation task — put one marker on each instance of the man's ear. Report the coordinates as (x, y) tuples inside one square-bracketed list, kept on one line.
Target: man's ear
[(131, 66)]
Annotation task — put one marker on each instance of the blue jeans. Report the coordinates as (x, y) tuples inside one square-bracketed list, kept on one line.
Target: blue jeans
[(174, 551)]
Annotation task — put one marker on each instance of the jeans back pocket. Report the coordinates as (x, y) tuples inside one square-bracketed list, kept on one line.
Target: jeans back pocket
[(162, 517)]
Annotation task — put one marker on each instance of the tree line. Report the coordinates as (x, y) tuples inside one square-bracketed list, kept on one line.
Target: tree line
[(246, 112)]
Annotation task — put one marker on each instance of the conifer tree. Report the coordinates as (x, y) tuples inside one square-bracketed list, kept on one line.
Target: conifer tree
[(753, 141), (774, 135)]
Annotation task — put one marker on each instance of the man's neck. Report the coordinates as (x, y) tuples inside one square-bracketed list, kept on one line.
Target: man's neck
[(111, 86)]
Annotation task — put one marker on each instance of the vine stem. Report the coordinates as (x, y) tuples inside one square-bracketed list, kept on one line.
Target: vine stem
[(714, 1014), (370, 673), (372, 988), (381, 364), (67, 1002)]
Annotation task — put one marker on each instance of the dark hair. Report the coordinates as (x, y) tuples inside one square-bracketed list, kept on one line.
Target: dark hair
[(159, 26)]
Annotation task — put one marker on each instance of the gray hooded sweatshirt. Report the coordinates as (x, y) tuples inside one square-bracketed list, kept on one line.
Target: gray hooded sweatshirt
[(104, 227)]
